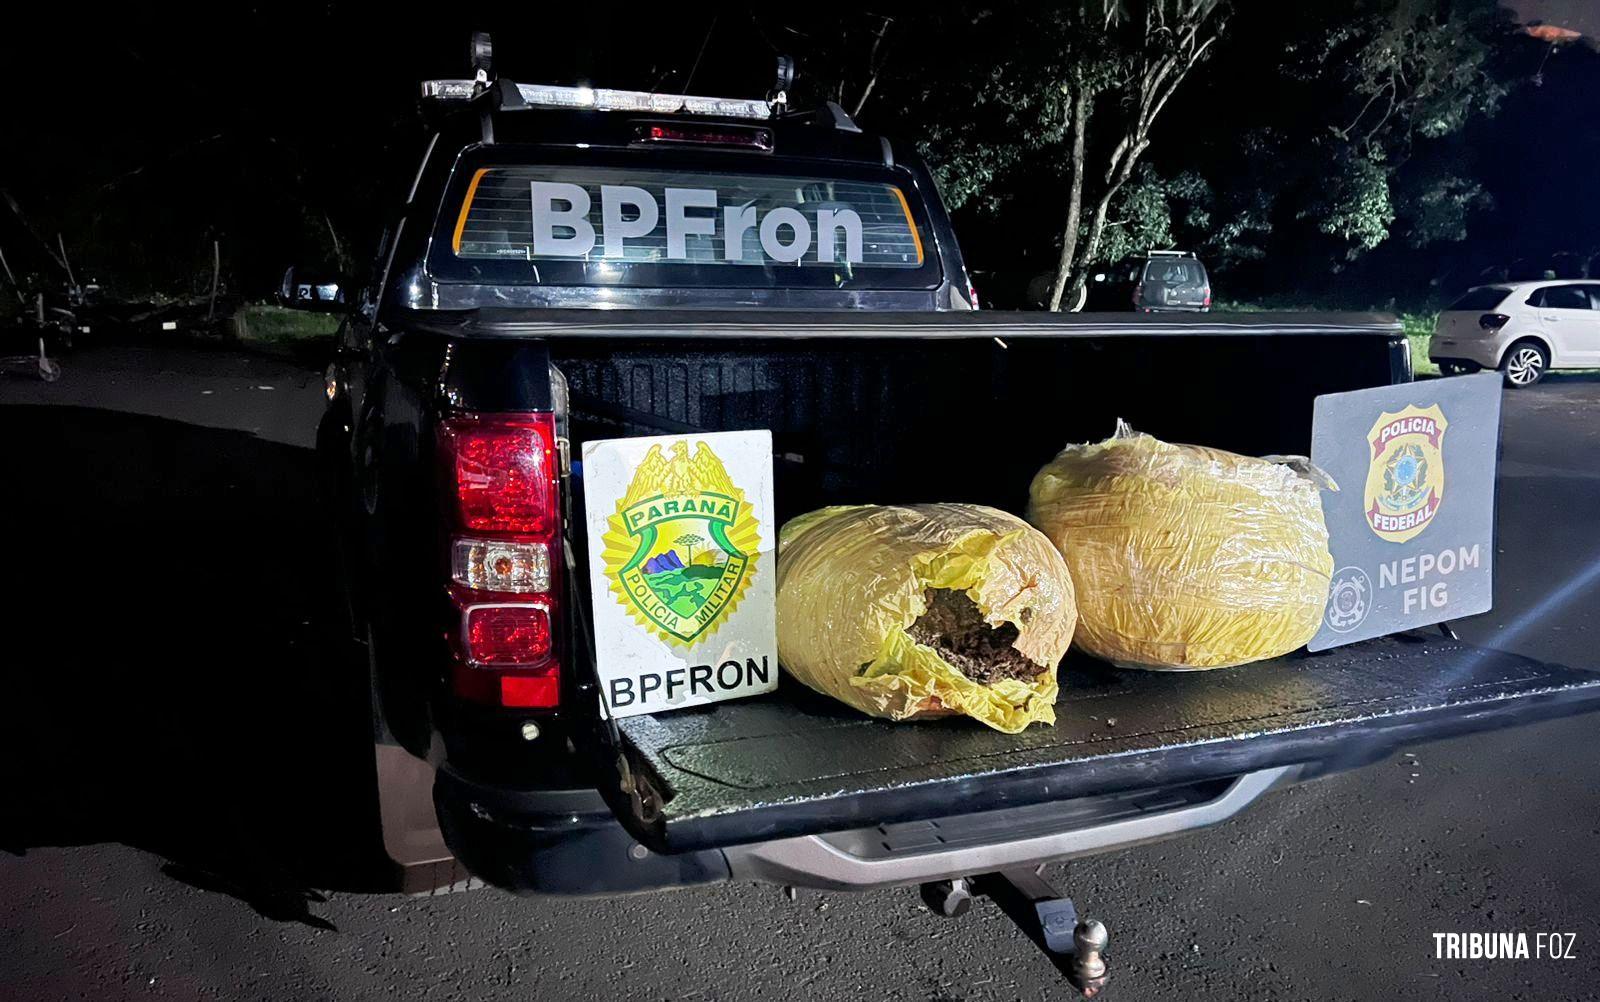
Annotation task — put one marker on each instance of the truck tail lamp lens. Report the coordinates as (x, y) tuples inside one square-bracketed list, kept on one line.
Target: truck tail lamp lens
[(533, 691), (500, 565), (505, 475), (507, 636), (501, 504), (757, 139)]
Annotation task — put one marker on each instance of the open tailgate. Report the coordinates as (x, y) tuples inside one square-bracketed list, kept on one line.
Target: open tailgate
[(792, 763)]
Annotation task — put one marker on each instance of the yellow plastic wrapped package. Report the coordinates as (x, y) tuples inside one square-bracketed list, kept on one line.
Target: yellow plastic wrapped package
[(1184, 557), (925, 610)]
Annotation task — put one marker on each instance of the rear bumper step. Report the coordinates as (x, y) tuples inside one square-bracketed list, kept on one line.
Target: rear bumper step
[(920, 851), (793, 764), (568, 843)]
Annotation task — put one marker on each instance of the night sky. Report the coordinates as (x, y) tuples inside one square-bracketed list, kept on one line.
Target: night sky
[(143, 139)]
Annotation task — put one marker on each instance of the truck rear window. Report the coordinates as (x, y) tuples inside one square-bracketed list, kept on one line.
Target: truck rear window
[(545, 213), (622, 225)]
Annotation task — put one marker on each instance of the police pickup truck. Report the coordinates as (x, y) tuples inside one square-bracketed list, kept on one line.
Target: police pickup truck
[(578, 265)]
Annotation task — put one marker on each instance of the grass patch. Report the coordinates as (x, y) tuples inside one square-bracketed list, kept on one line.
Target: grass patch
[(1419, 329), (276, 325)]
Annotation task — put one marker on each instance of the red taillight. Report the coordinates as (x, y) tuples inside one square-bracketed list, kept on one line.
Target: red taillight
[(510, 635), (502, 567), (534, 691), (972, 294), (1208, 297), (504, 472), (758, 139), (1493, 321)]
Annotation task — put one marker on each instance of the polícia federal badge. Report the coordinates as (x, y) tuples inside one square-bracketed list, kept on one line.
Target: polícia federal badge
[(681, 549), (1405, 478)]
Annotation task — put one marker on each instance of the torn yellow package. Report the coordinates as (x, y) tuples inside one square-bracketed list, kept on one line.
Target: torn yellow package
[(1186, 557), (853, 580)]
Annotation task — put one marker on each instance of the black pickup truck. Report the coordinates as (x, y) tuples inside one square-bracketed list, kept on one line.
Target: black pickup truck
[(548, 283)]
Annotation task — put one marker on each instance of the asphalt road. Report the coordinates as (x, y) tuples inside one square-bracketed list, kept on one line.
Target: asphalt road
[(163, 833)]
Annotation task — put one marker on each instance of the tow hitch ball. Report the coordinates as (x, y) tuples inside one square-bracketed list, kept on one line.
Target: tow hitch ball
[(1077, 948)]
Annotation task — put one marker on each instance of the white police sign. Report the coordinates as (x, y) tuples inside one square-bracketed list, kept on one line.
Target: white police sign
[(1412, 525), (681, 569)]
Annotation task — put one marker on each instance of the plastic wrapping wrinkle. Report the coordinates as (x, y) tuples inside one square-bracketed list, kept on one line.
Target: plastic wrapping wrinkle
[(1184, 557), (854, 581)]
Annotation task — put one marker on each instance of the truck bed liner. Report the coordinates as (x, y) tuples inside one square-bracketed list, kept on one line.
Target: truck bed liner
[(794, 763)]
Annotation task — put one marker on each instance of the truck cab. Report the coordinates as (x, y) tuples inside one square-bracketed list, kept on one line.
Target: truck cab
[(578, 198)]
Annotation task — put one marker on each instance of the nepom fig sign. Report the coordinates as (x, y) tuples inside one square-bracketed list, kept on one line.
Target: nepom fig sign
[(1412, 526)]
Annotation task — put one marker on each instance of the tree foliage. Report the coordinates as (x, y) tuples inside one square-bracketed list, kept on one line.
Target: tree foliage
[(1071, 93), (1411, 72), (1051, 113), (1151, 210)]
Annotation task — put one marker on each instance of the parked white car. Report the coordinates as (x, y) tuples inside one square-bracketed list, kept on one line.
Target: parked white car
[(1521, 328)]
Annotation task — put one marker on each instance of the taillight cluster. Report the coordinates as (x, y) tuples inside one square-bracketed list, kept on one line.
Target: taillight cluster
[(501, 476)]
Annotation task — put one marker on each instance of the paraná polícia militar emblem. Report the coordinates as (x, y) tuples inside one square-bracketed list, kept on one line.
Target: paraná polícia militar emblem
[(681, 548), (1405, 475)]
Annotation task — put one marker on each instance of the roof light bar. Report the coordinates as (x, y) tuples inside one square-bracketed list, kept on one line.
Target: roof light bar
[(600, 99), (448, 90)]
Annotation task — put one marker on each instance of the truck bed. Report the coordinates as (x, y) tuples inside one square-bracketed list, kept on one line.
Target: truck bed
[(794, 763), (893, 408)]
